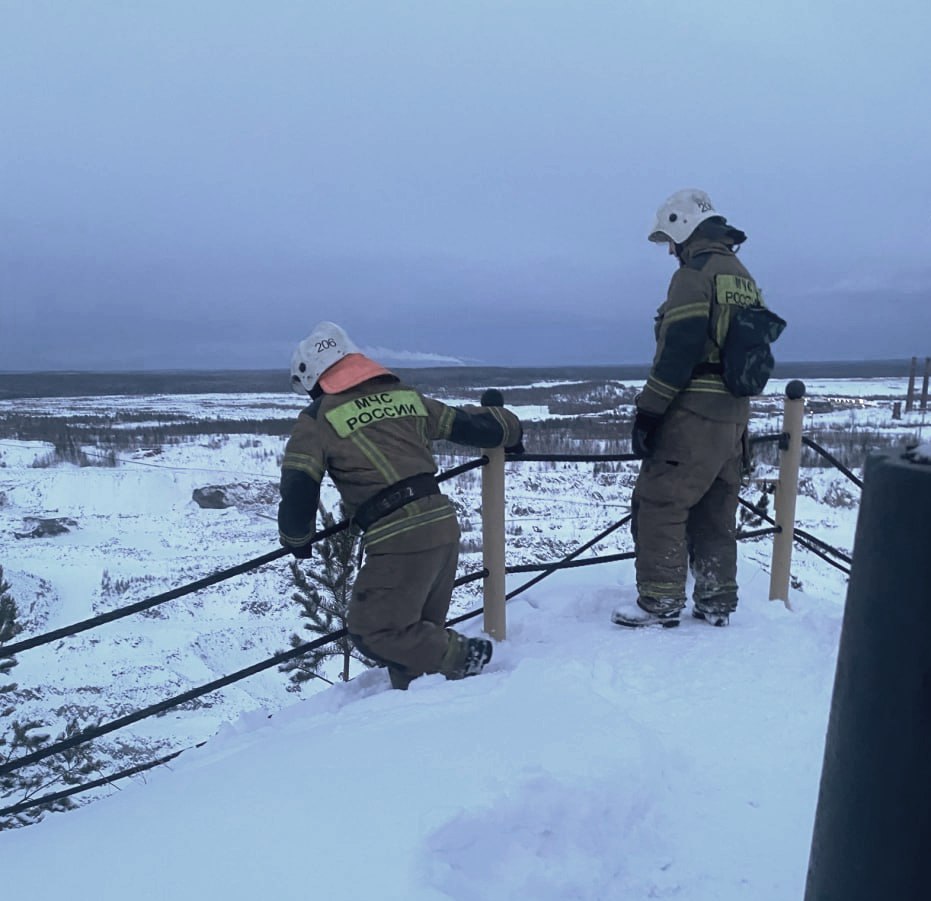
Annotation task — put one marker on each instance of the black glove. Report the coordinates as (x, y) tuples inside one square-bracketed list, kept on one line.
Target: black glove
[(518, 446), (643, 434), (492, 397), (303, 552)]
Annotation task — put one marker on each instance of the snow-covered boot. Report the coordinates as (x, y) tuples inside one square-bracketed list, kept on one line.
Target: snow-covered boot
[(647, 612), (465, 656), (712, 617), (715, 609)]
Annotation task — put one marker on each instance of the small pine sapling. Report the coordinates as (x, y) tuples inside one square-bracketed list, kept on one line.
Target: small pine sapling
[(323, 591)]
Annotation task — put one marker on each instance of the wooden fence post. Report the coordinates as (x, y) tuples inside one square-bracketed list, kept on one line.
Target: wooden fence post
[(790, 455), (495, 623)]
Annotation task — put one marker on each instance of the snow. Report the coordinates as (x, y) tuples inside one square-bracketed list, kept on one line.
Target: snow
[(586, 762)]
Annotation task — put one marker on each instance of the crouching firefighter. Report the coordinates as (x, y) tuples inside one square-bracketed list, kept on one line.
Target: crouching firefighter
[(373, 435)]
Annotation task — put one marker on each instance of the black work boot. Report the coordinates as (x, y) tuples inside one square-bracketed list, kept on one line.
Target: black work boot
[(465, 656), (712, 618), (715, 609), (400, 678), (638, 612)]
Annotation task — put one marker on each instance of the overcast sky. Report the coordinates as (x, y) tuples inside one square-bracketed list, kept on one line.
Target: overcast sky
[(195, 183)]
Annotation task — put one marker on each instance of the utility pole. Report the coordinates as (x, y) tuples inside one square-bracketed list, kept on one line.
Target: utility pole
[(924, 385), (910, 397)]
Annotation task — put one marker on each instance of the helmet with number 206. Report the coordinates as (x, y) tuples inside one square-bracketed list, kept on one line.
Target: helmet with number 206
[(680, 215), (324, 346)]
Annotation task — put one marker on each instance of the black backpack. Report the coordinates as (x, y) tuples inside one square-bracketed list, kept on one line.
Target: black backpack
[(746, 356)]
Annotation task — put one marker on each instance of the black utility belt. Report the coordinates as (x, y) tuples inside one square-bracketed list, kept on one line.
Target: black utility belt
[(708, 369), (393, 498)]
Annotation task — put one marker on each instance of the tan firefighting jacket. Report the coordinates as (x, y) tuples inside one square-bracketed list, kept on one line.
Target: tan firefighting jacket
[(690, 329), (370, 437)]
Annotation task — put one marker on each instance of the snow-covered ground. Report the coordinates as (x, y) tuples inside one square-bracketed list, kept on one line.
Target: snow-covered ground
[(587, 762)]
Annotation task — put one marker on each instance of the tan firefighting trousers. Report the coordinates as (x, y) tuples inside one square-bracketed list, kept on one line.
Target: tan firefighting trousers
[(399, 606), (685, 504)]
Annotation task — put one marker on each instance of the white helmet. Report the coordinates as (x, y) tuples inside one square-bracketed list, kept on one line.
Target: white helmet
[(680, 215), (324, 346)]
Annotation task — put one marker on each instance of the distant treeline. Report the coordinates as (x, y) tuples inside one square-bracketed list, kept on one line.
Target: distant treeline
[(445, 379)]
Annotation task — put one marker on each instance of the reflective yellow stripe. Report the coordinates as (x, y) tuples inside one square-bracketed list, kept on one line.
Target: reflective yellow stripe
[(687, 311), (378, 534), (662, 388), (296, 542), (721, 588), (660, 590), (376, 458), (304, 463), (445, 427), (707, 385)]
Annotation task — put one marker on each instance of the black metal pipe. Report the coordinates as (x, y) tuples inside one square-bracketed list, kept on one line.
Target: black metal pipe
[(872, 828)]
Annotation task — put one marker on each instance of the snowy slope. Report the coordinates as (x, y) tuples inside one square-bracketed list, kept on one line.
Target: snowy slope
[(589, 762)]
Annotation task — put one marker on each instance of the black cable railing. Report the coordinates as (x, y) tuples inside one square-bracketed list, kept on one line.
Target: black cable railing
[(803, 542), (780, 437), (44, 800), (804, 539), (86, 735), (568, 562), (832, 460), (827, 548), (95, 732), (147, 604), (89, 734), (550, 568), (570, 458)]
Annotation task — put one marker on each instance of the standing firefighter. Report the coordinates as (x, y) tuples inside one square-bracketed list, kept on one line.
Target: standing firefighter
[(712, 353), (372, 434)]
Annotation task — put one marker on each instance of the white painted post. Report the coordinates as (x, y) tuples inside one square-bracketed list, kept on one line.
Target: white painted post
[(495, 623), (790, 457)]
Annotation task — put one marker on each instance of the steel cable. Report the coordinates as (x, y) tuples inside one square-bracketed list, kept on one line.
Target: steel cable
[(801, 538), (832, 460), (92, 733), (86, 735), (221, 576)]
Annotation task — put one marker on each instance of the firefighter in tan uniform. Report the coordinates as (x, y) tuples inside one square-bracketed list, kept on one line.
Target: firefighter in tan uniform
[(372, 434), (690, 429)]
